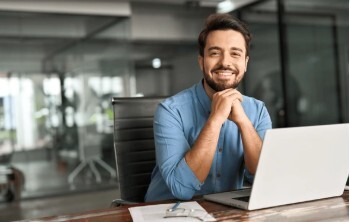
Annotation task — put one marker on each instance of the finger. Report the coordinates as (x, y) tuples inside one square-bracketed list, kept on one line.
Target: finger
[(233, 91), (234, 96), (223, 92), (239, 95), (235, 101), (227, 92)]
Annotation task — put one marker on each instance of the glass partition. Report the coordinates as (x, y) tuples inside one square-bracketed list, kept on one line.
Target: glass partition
[(57, 76), (263, 78), (311, 40)]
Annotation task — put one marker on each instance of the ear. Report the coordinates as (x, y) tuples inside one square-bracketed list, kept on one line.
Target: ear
[(246, 63), (200, 62)]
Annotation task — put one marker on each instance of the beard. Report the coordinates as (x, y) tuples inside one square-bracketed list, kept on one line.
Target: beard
[(220, 86)]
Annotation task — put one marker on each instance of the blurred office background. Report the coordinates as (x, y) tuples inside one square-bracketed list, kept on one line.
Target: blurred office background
[(61, 62)]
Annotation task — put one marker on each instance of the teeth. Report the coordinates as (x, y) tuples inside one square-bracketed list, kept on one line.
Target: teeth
[(224, 73)]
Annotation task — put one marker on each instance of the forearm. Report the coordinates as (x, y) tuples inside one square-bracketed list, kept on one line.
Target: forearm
[(251, 144), (200, 157)]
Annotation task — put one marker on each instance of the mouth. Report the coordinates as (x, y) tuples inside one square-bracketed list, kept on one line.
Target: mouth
[(224, 74)]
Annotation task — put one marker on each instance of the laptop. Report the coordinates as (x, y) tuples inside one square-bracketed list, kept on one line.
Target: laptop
[(296, 164)]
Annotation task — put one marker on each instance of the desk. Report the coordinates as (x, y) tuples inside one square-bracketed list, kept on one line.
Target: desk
[(331, 209)]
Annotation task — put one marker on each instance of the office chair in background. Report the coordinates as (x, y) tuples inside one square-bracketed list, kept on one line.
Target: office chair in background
[(134, 146)]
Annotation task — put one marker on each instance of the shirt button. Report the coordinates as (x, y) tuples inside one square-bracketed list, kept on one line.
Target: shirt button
[(220, 149), (218, 175)]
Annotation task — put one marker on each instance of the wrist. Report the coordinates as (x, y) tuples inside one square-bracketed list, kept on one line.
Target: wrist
[(241, 123), (215, 121)]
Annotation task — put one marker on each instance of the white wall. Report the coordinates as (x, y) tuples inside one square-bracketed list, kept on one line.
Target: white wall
[(101, 7), (167, 23), (186, 72)]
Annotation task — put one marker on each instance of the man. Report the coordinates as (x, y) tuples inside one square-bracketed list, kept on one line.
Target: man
[(209, 136)]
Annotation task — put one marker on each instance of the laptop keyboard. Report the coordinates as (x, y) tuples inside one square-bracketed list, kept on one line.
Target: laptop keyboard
[(245, 199), (245, 192)]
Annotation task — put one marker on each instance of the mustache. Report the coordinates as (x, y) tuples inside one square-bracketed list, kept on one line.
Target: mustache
[(235, 71)]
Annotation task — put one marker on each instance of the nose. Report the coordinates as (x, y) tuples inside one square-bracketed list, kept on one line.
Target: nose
[(225, 60)]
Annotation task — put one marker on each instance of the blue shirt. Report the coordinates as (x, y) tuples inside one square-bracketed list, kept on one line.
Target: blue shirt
[(177, 123)]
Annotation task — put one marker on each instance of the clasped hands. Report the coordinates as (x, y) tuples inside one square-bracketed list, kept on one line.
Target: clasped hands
[(226, 104)]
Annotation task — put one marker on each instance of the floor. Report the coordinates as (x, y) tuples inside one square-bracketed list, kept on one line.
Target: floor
[(47, 192), (58, 205)]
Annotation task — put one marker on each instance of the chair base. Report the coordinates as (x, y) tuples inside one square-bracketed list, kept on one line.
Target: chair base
[(91, 163)]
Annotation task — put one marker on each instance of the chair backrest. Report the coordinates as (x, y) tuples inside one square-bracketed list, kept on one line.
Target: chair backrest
[(134, 144)]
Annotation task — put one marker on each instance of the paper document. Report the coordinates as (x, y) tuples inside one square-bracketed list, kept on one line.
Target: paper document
[(186, 211)]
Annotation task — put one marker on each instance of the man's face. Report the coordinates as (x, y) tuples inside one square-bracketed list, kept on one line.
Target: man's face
[(224, 62)]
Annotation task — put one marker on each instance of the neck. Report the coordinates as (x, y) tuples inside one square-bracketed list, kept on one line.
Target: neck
[(209, 91)]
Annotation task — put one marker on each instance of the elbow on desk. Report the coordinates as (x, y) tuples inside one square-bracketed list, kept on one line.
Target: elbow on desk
[(182, 196), (181, 182), (182, 193)]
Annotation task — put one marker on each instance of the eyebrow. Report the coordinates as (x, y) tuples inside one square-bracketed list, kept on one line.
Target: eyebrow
[(236, 49), (218, 48), (214, 48)]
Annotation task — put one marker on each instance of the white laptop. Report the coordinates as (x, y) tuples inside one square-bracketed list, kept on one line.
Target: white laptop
[(296, 164)]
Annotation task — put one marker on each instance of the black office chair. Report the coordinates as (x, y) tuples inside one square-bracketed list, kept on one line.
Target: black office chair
[(134, 146)]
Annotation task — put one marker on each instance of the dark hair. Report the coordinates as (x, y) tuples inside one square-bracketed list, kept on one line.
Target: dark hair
[(223, 22)]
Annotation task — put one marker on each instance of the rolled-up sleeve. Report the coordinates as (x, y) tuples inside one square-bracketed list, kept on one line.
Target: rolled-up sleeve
[(264, 122), (171, 147)]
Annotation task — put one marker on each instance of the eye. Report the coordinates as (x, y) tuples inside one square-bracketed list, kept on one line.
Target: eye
[(236, 54), (214, 53)]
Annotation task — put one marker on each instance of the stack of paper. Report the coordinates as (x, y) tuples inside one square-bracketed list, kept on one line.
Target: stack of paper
[(186, 211)]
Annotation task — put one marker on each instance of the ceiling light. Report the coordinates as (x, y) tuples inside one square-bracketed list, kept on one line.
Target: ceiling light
[(225, 6), (231, 5), (156, 63)]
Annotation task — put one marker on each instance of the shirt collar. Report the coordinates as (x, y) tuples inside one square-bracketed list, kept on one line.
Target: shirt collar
[(203, 97)]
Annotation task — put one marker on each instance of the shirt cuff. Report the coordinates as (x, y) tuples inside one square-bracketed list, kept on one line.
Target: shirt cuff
[(248, 176), (187, 176)]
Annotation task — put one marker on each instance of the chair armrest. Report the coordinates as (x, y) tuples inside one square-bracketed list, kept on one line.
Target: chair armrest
[(120, 202)]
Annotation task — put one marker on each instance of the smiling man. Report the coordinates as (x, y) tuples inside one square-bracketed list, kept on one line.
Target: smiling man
[(209, 137)]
